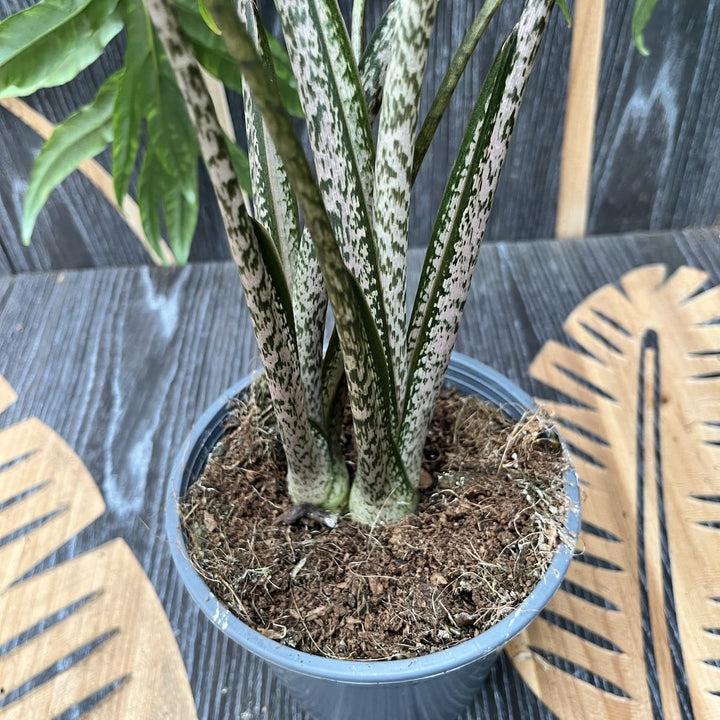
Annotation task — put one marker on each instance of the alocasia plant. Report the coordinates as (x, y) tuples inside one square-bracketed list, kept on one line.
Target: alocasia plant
[(350, 249)]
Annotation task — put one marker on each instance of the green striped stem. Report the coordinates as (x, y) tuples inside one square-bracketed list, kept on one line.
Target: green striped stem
[(373, 67), (393, 166), (340, 136), (313, 475), (455, 243), (276, 210), (381, 491), (358, 19), (450, 81), (374, 62)]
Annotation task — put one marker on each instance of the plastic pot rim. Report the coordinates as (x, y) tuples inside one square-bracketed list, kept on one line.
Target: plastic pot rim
[(494, 387)]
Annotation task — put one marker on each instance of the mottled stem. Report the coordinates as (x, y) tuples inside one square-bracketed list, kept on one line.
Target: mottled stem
[(312, 474)]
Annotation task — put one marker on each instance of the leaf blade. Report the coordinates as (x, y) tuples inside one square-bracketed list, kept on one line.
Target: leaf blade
[(82, 135), (642, 12), (29, 41), (131, 103)]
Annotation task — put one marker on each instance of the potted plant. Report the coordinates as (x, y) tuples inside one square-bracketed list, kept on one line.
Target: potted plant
[(350, 255)]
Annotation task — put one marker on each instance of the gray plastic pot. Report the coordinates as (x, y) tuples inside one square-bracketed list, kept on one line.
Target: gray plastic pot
[(438, 686)]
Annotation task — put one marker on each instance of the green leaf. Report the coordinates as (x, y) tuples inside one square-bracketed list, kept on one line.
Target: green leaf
[(49, 43), (164, 196), (168, 182), (641, 15), (132, 101), (451, 79), (207, 17), (149, 197), (81, 136), (562, 4), (287, 85)]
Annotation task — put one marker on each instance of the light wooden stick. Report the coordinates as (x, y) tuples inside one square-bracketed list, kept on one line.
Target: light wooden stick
[(576, 165)]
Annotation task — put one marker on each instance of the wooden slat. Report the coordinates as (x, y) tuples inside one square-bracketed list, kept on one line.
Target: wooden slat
[(579, 133)]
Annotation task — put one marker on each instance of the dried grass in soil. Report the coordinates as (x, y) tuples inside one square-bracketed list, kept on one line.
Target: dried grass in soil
[(485, 531)]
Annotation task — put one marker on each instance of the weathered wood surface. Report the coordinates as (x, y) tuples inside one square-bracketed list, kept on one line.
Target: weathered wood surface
[(656, 161), (84, 636), (120, 362)]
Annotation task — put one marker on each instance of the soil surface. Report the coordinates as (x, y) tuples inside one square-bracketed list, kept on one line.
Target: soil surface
[(489, 519)]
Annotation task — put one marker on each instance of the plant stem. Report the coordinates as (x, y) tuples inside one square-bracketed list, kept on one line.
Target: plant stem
[(312, 470), (358, 18), (450, 81), (381, 491)]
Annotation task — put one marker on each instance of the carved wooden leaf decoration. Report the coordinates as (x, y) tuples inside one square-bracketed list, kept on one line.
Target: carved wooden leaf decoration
[(88, 637), (635, 632)]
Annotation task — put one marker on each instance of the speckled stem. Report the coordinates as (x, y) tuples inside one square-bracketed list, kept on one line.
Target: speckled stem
[(312, 473), (412, 25), (455, 243)]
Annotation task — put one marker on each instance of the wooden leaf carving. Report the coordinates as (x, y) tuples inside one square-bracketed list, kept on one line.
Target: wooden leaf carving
[(635, 632), (88, 637)]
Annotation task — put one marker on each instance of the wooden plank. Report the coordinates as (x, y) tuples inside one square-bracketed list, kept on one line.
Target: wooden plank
[(579, 128)]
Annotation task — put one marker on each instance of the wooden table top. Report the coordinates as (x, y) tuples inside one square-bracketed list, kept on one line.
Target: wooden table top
[(115, 365)]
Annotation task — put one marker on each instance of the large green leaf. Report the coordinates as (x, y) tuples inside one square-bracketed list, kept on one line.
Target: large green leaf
[(641, 15), (133, 99), (168, 184), (562, 4), (287, 85), (51, 42), (164, 196), (81, 136)]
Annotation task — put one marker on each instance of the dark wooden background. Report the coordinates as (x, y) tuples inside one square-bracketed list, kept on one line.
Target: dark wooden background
[(657, 145)]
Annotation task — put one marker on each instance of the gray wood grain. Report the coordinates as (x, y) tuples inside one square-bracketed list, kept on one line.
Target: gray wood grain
[(657, 164), (120, 362)]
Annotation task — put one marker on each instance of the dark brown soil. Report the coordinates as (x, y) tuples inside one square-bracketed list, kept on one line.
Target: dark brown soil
[(489, 519)]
